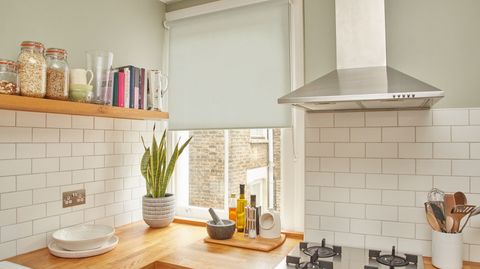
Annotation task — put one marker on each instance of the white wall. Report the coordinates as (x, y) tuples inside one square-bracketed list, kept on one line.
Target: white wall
[(43, 155), (368, 174), (131, 29)]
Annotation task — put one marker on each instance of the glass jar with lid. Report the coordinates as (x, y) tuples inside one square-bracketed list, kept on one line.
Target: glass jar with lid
[(58, 74), (8, 77), (32, 69)]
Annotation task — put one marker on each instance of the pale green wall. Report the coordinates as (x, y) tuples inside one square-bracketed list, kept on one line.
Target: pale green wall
[(320, 50), (186, 3), (131, 29), (437, 41)]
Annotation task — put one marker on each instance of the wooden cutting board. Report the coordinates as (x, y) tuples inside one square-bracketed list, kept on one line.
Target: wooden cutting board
[(240, 241)]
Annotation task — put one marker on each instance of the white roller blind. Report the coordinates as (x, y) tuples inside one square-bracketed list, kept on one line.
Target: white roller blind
[(228, 68)]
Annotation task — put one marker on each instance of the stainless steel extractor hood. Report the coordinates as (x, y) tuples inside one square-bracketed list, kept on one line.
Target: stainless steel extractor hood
[(364, 88), (362, 79)]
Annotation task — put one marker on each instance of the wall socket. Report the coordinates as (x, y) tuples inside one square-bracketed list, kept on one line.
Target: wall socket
[(73, 198)]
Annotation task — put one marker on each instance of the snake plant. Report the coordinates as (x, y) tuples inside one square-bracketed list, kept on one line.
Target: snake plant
[(155, 167)]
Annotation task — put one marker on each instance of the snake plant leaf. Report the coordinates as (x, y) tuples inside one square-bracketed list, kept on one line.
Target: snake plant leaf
[(144, 163)]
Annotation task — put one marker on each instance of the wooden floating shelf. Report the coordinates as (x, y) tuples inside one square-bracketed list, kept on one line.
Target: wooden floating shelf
[(22, 103)]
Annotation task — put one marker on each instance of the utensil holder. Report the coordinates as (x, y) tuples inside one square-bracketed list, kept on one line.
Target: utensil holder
[(447, 250)]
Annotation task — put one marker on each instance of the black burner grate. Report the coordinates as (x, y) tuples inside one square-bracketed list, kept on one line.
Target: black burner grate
[(392, 260), (322, 251)]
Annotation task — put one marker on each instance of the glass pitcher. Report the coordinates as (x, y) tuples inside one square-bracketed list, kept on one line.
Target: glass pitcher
[(100, 62)]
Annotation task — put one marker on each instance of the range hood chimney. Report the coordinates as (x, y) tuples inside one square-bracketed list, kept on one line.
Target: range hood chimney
[(362, 80)]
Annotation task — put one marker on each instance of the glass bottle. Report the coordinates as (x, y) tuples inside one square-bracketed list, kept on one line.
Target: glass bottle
[(8, 77), (32, 69), (58, 74), (241, 204), (232, 207)]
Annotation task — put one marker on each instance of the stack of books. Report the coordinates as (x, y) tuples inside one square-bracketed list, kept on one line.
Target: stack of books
[(130, 87)]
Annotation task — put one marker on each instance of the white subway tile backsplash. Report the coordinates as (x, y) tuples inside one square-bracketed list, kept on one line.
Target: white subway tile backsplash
[(452, 184), (319, 179), (103, 123), (132, 137), (25, 151), (31, 212), (366, 196), (423, 231), (30, 119), (411, 214), (312, 164), (71, 163), (15, 167), (350, 150), (349, 180), (15, 231), (466, 167), (434, 167), (95, 187), (334, 194), (59, 150), (46, 195), (398, 134), (380, 242), (382, 150), (382, 118), (46, 224), (415, 246), (8, 217), (365, 165), (94, 213), (415, 182), (103, 173), (433, 134), (415, 118), (466, 133), (59, 178), (335, 164), (8, 249), (366, 135), (349, 239), (33, 181), (474, 150), (7, 118), (314, 208), (45, 165), (122, 124), (123, 219), (114, 209), (82, 122), (450, 117), (94, 161), (312, 193), (398, 229), (82, 176), (415, 150), (71, 135), (334, 134), (15, 199), (7, 151), (381, 181), (349, 119), (398, 166), (104, 198), (82, 149), (398, 198), (312, 222), (114, 136), (8, 184), (350, 210), (70, 219), (451, 150), (335, 224), (94, 136), (318, 120), (363, 226), (59, 121), (319, 149), (312, 135)]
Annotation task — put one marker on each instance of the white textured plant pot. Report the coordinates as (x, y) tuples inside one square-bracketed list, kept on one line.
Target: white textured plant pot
[(158, 212), (447, 250)]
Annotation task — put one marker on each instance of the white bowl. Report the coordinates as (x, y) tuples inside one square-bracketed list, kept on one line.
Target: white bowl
[(83, 237)]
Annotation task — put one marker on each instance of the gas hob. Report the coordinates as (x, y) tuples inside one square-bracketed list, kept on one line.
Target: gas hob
[(323, 256)]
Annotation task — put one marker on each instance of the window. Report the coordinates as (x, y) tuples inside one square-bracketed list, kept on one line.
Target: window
[(218, 161)]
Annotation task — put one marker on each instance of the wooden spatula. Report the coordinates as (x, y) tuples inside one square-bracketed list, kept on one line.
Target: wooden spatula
[(431, 218), (458, 212), (449, 202)]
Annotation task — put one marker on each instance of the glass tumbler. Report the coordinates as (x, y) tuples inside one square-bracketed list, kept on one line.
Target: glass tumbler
[(100, 62)]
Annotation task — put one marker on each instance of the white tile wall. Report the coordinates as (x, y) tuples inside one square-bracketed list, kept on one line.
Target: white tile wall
[(42, 155), (368, 173)]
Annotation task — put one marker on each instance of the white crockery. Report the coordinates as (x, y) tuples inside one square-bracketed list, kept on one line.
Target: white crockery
[(83, 237), (62, 253)]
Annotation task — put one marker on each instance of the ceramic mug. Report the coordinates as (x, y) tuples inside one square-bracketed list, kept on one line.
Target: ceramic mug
[(79, 76)]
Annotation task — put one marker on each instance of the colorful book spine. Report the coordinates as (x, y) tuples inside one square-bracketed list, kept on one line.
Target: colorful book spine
[(121, 88), (136, 87), (141, 88), (145, 88), (115, 88), (127, 87)]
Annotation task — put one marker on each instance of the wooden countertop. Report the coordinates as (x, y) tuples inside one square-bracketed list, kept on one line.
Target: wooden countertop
[(178, 244)]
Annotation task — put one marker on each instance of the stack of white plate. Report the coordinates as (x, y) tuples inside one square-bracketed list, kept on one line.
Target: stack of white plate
[(83, 241)]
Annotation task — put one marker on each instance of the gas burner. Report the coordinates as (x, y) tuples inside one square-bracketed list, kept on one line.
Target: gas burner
[(307, 265), (392, 260), (322, 251)]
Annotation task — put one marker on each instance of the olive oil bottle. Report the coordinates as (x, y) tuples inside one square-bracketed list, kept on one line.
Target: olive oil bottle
[(241, 204), (232, 207)]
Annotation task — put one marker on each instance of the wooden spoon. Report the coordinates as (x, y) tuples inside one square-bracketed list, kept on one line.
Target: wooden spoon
[(449, 202), (460, 198), (431, 218)]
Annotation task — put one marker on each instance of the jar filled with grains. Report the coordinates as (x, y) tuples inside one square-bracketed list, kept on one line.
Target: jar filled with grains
[(32, 69), (8, 77), (58, 74)]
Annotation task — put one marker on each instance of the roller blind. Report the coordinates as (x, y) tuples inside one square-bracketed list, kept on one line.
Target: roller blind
[(228, 68)]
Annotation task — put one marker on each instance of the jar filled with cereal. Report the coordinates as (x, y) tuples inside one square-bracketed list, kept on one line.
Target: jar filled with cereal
[(32, 69), (8, 77), (58, 74)]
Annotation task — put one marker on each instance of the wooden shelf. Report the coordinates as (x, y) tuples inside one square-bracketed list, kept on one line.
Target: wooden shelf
[(22, 103)]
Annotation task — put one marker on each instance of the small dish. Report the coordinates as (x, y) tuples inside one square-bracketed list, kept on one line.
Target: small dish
[(62, 253), (83, 237)]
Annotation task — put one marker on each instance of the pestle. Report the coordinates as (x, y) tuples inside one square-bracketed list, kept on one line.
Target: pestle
[(215, 217)]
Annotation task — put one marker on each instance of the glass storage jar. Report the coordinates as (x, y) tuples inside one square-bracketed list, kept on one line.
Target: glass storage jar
[(8, 77), (58, 74), (32, 69)]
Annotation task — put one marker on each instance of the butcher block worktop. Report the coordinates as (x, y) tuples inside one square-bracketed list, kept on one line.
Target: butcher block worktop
[(177, 246)]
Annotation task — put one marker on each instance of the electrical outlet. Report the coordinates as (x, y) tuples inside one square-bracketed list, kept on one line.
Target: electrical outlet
[(73, 198)]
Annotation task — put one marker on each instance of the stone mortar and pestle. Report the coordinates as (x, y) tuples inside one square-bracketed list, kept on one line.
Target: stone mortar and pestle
[(219, 229)]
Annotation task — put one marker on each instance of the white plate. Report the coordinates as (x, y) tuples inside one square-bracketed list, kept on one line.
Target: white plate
[(62, 253), (83, 237)]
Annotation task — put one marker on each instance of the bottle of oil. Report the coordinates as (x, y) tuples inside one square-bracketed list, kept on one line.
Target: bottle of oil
[(241, 204), (232, 207)]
